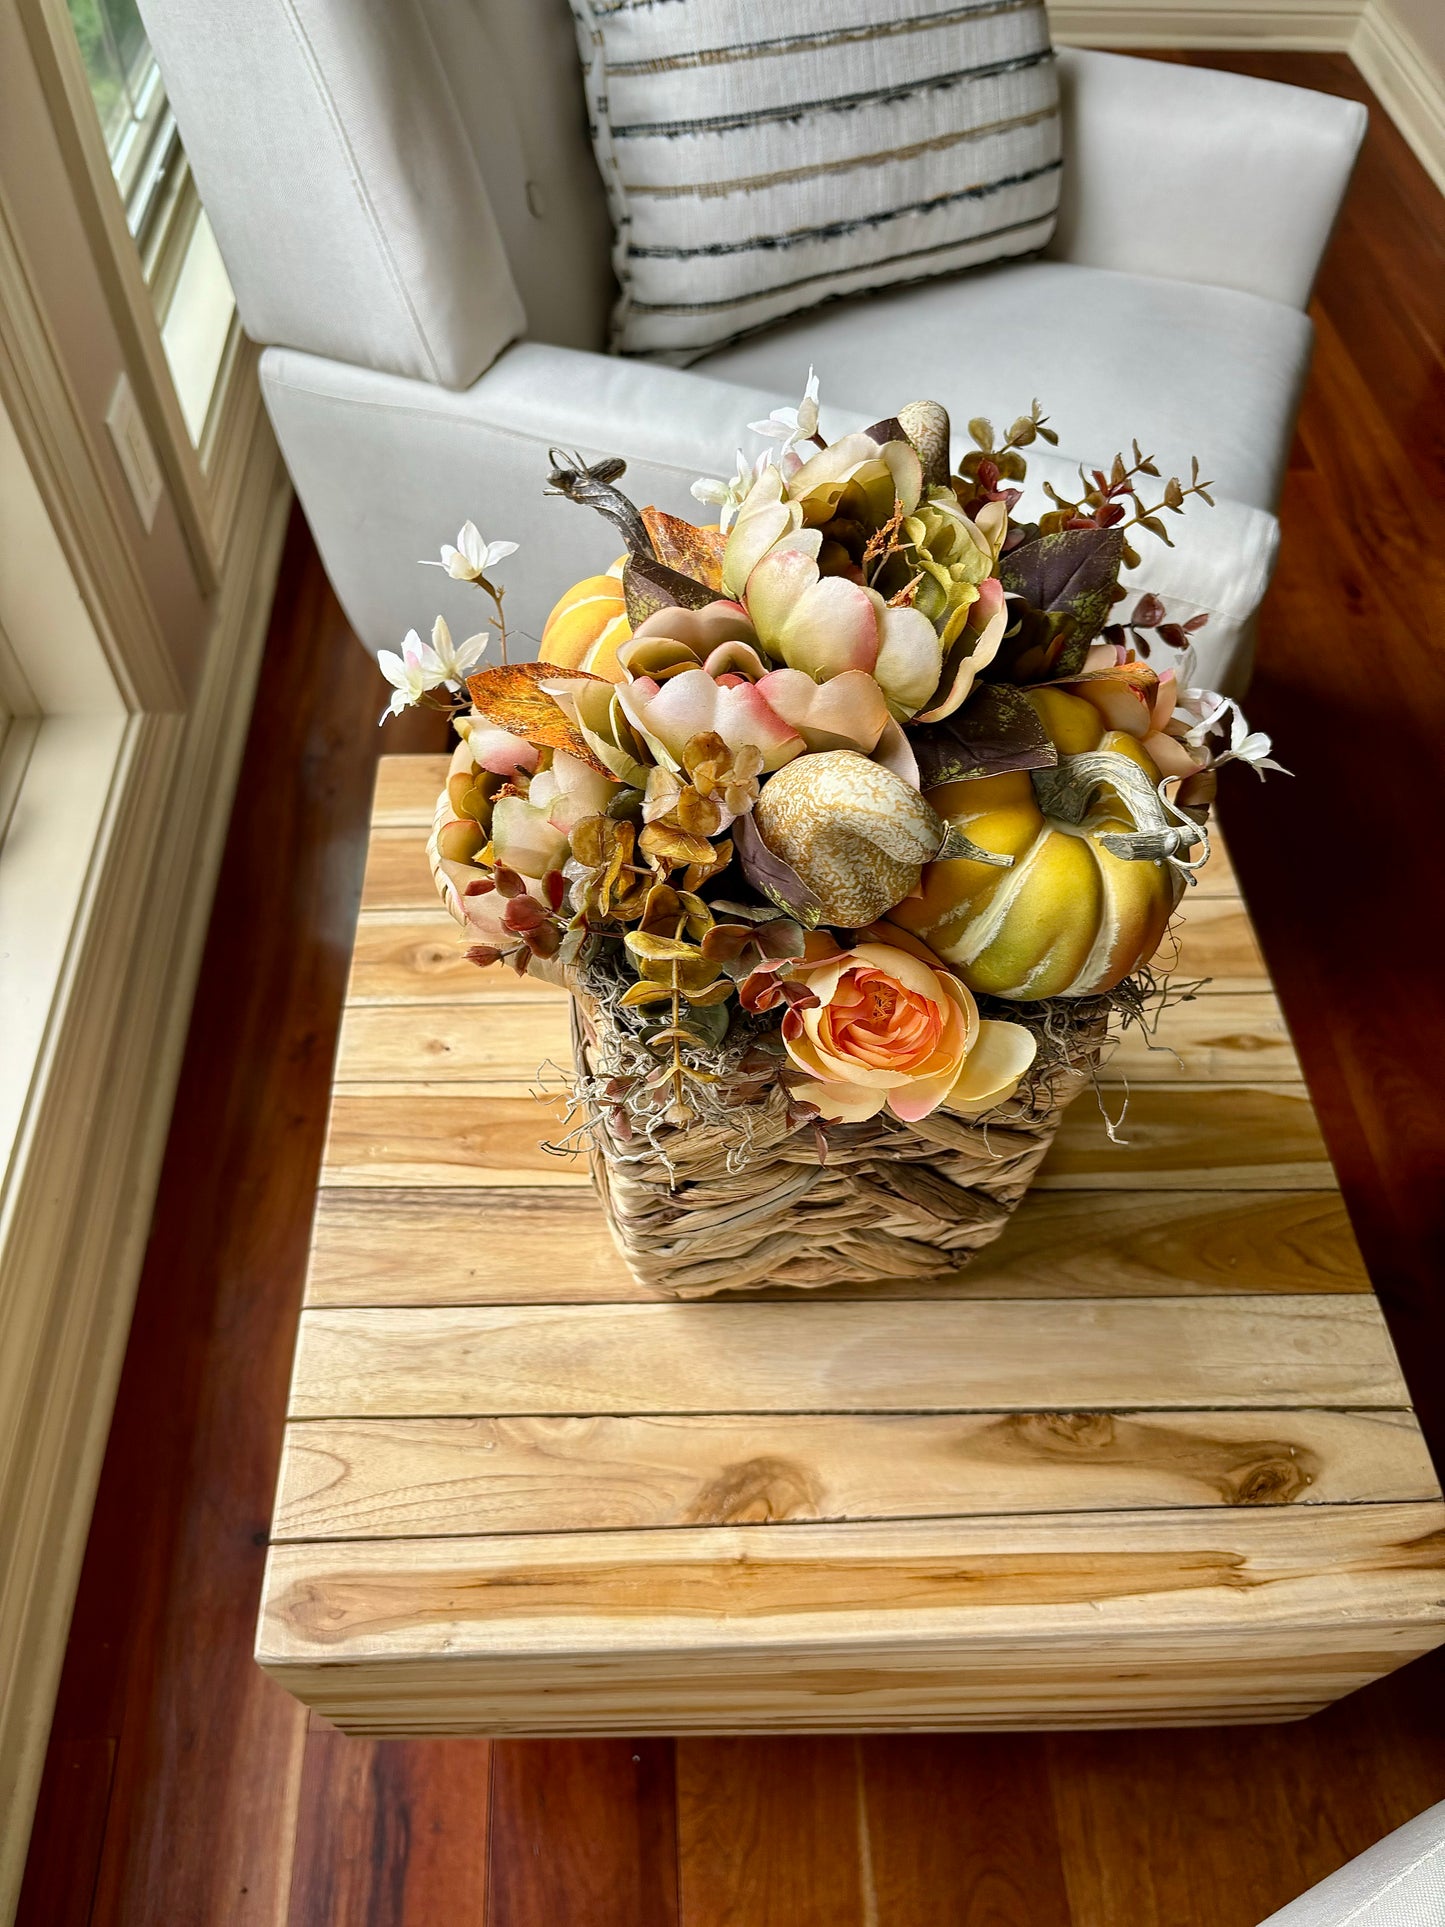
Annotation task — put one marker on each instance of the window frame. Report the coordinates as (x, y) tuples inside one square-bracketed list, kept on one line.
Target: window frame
[(203, 480)]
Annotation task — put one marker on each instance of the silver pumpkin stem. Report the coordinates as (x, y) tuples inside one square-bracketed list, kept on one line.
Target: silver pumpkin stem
[(1162, 833), (955, 844)]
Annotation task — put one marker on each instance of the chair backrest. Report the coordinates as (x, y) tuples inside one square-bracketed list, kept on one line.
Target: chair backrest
[(400, 184), (517, 82)]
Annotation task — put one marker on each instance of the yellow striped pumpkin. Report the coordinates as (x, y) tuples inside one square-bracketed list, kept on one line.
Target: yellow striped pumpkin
[(1069, 917)]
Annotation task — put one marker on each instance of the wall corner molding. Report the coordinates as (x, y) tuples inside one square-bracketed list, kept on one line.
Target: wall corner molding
[(1405, 81), (1316, 26), (1408, 86)]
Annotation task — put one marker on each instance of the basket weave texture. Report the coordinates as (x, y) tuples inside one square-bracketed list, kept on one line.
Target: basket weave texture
[(888, 1200)]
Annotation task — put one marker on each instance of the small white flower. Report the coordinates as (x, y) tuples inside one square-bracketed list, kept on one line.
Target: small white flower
[(1202, 709), (471, 558), (1250, 746), (411, 674), (793, 425), (730, 496), (1206, 711), (456, 660)]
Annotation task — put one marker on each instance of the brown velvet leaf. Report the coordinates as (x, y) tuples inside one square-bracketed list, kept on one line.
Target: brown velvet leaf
[(997, 729), (649, 586), (685, 547)]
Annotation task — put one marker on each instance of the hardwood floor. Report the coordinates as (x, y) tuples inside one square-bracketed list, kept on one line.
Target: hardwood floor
[(184, 1789)]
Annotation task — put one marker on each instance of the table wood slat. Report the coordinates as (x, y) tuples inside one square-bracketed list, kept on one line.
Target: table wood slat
[(398, 876), (399, 1478), (413, 1247), (726, 1589), (984, 1354), (418, 957), (1184, 1137), (509, 1041)]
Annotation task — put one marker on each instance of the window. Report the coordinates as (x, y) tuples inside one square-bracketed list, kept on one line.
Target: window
[(19, 721), (194, 306)]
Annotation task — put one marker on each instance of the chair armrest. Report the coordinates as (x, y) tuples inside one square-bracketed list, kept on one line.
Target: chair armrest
[(387, 468), (1193, 175)]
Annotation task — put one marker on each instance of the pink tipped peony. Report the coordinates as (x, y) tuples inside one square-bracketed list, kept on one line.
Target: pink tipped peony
[(499, 751), (826, 626), (668, 715)]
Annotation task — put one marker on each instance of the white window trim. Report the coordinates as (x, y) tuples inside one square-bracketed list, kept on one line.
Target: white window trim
[(118, 817)]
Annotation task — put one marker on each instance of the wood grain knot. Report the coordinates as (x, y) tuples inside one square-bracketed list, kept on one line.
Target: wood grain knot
[(755, 1492), (1236, 1471)]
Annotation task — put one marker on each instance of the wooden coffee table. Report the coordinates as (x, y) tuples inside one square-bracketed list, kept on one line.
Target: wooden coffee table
[(1148, 1461)]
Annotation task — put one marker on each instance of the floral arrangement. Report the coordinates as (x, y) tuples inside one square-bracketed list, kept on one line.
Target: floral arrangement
[(867, 799)]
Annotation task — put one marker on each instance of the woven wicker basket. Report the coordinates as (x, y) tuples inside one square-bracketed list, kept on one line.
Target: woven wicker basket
[(889, 1200)]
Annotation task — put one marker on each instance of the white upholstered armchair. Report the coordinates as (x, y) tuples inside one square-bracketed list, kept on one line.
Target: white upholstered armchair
[(1399, 1882), (408, 205)]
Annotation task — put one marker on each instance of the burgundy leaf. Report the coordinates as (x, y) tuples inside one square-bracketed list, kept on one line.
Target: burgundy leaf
[(771, 877), (524, 913), (1071, 572)]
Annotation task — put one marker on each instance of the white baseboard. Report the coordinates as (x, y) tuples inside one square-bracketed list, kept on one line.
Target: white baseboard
[(1407, 83), (1408, 86), (1321, 26), (76, 1251)]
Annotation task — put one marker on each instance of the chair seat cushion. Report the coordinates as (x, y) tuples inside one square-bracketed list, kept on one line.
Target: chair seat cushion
[(1189, 370)]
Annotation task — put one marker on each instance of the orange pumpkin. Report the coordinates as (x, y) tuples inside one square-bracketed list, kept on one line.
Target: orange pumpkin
[(588, 624)]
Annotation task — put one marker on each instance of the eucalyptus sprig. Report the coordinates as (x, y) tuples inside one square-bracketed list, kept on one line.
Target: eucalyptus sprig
[(1104, 501)]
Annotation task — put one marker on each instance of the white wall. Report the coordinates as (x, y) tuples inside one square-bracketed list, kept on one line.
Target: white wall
[(1424, 20)]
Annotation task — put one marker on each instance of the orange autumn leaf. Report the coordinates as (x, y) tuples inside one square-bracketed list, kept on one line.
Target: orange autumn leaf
[(512, 698), (680, 545)]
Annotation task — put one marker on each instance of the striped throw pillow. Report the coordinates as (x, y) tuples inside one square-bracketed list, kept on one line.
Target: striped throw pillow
[(761, 156)]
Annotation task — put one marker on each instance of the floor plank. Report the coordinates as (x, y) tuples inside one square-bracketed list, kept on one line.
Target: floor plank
[(962, 1833), (770, 1833), (381, 1838), (583, 1832)]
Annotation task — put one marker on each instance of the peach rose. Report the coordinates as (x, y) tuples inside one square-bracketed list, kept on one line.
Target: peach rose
[(883, 1025)]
